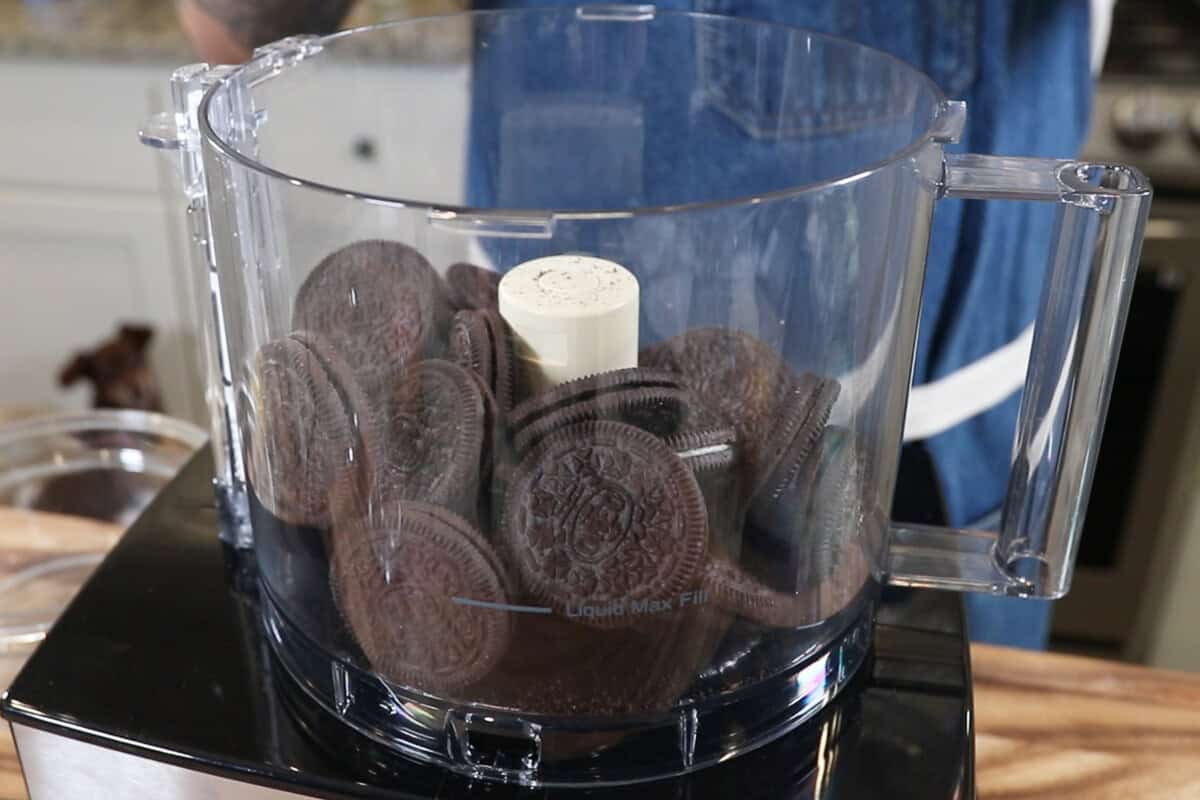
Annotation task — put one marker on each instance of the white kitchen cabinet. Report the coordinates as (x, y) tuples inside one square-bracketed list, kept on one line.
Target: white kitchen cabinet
[(73, 264), (376, 143), (91, 222), (88, 236)]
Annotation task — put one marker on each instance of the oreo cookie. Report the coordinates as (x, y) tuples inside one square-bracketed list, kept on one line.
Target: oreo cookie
[(470, 345), (737, 381), (840, 527), (482, 342), (472, 287), (659, 410), (380, 304), (736, 590), (711, 455), (420, 593), (494, 457), (706, 450), (511, 586), (649, 399), (605, 524), (800, 423), (814, 601), (805, 533), (313, 432), (835, 508), (435, 426)]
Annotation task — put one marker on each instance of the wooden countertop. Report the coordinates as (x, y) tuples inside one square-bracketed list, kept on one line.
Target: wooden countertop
[(1048, 726), (1068, 728)]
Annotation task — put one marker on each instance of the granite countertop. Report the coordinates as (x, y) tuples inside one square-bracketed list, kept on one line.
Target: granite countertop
[(148, 30)]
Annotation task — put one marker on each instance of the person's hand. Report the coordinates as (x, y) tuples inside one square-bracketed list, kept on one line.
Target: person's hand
[(227, 31), (211, 36)]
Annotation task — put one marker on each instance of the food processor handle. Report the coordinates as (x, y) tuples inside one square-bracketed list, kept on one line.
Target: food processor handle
[(178, 131), (1076, 338)]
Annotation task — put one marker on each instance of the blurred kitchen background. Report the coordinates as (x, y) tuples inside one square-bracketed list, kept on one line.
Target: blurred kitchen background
[(92, 237)]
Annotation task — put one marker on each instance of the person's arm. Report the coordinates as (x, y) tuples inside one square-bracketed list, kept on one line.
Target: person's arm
[(226, 31)]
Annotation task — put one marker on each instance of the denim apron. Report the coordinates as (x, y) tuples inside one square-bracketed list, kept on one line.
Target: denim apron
[(1023, 68)]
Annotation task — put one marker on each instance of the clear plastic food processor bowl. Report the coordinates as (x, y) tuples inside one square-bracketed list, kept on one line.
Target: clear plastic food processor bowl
[(562, 374)]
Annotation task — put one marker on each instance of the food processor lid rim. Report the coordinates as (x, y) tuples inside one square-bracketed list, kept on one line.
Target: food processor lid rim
[(519, 216)]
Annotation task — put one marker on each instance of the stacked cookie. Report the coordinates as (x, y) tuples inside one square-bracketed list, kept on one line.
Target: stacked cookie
[(614, 515)]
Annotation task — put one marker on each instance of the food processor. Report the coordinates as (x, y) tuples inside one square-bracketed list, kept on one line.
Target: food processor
[(555, 456)]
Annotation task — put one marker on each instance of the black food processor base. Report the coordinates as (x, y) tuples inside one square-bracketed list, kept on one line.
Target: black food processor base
[(158, 682)]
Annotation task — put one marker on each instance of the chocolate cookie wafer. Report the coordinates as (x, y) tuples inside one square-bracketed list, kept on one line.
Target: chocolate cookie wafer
[(470, 345), (738, 381), (834, 514), (418, 596), (482, 342), (604, 522), (583, 389), (733, 588), (472, 287), (448, 517), (660, 410), (800, 423), (705, 450), (366, 454), (494, 455), (810, 540), (493, 427), (378, 302), (506, 385), (435, 430), (313, 433), (836, 549), (711, 455)]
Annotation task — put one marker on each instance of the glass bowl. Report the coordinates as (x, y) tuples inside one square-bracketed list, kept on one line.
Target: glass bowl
[(70, 484)]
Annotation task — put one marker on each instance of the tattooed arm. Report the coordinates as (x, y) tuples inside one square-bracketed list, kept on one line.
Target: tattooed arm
[(225, 31)]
